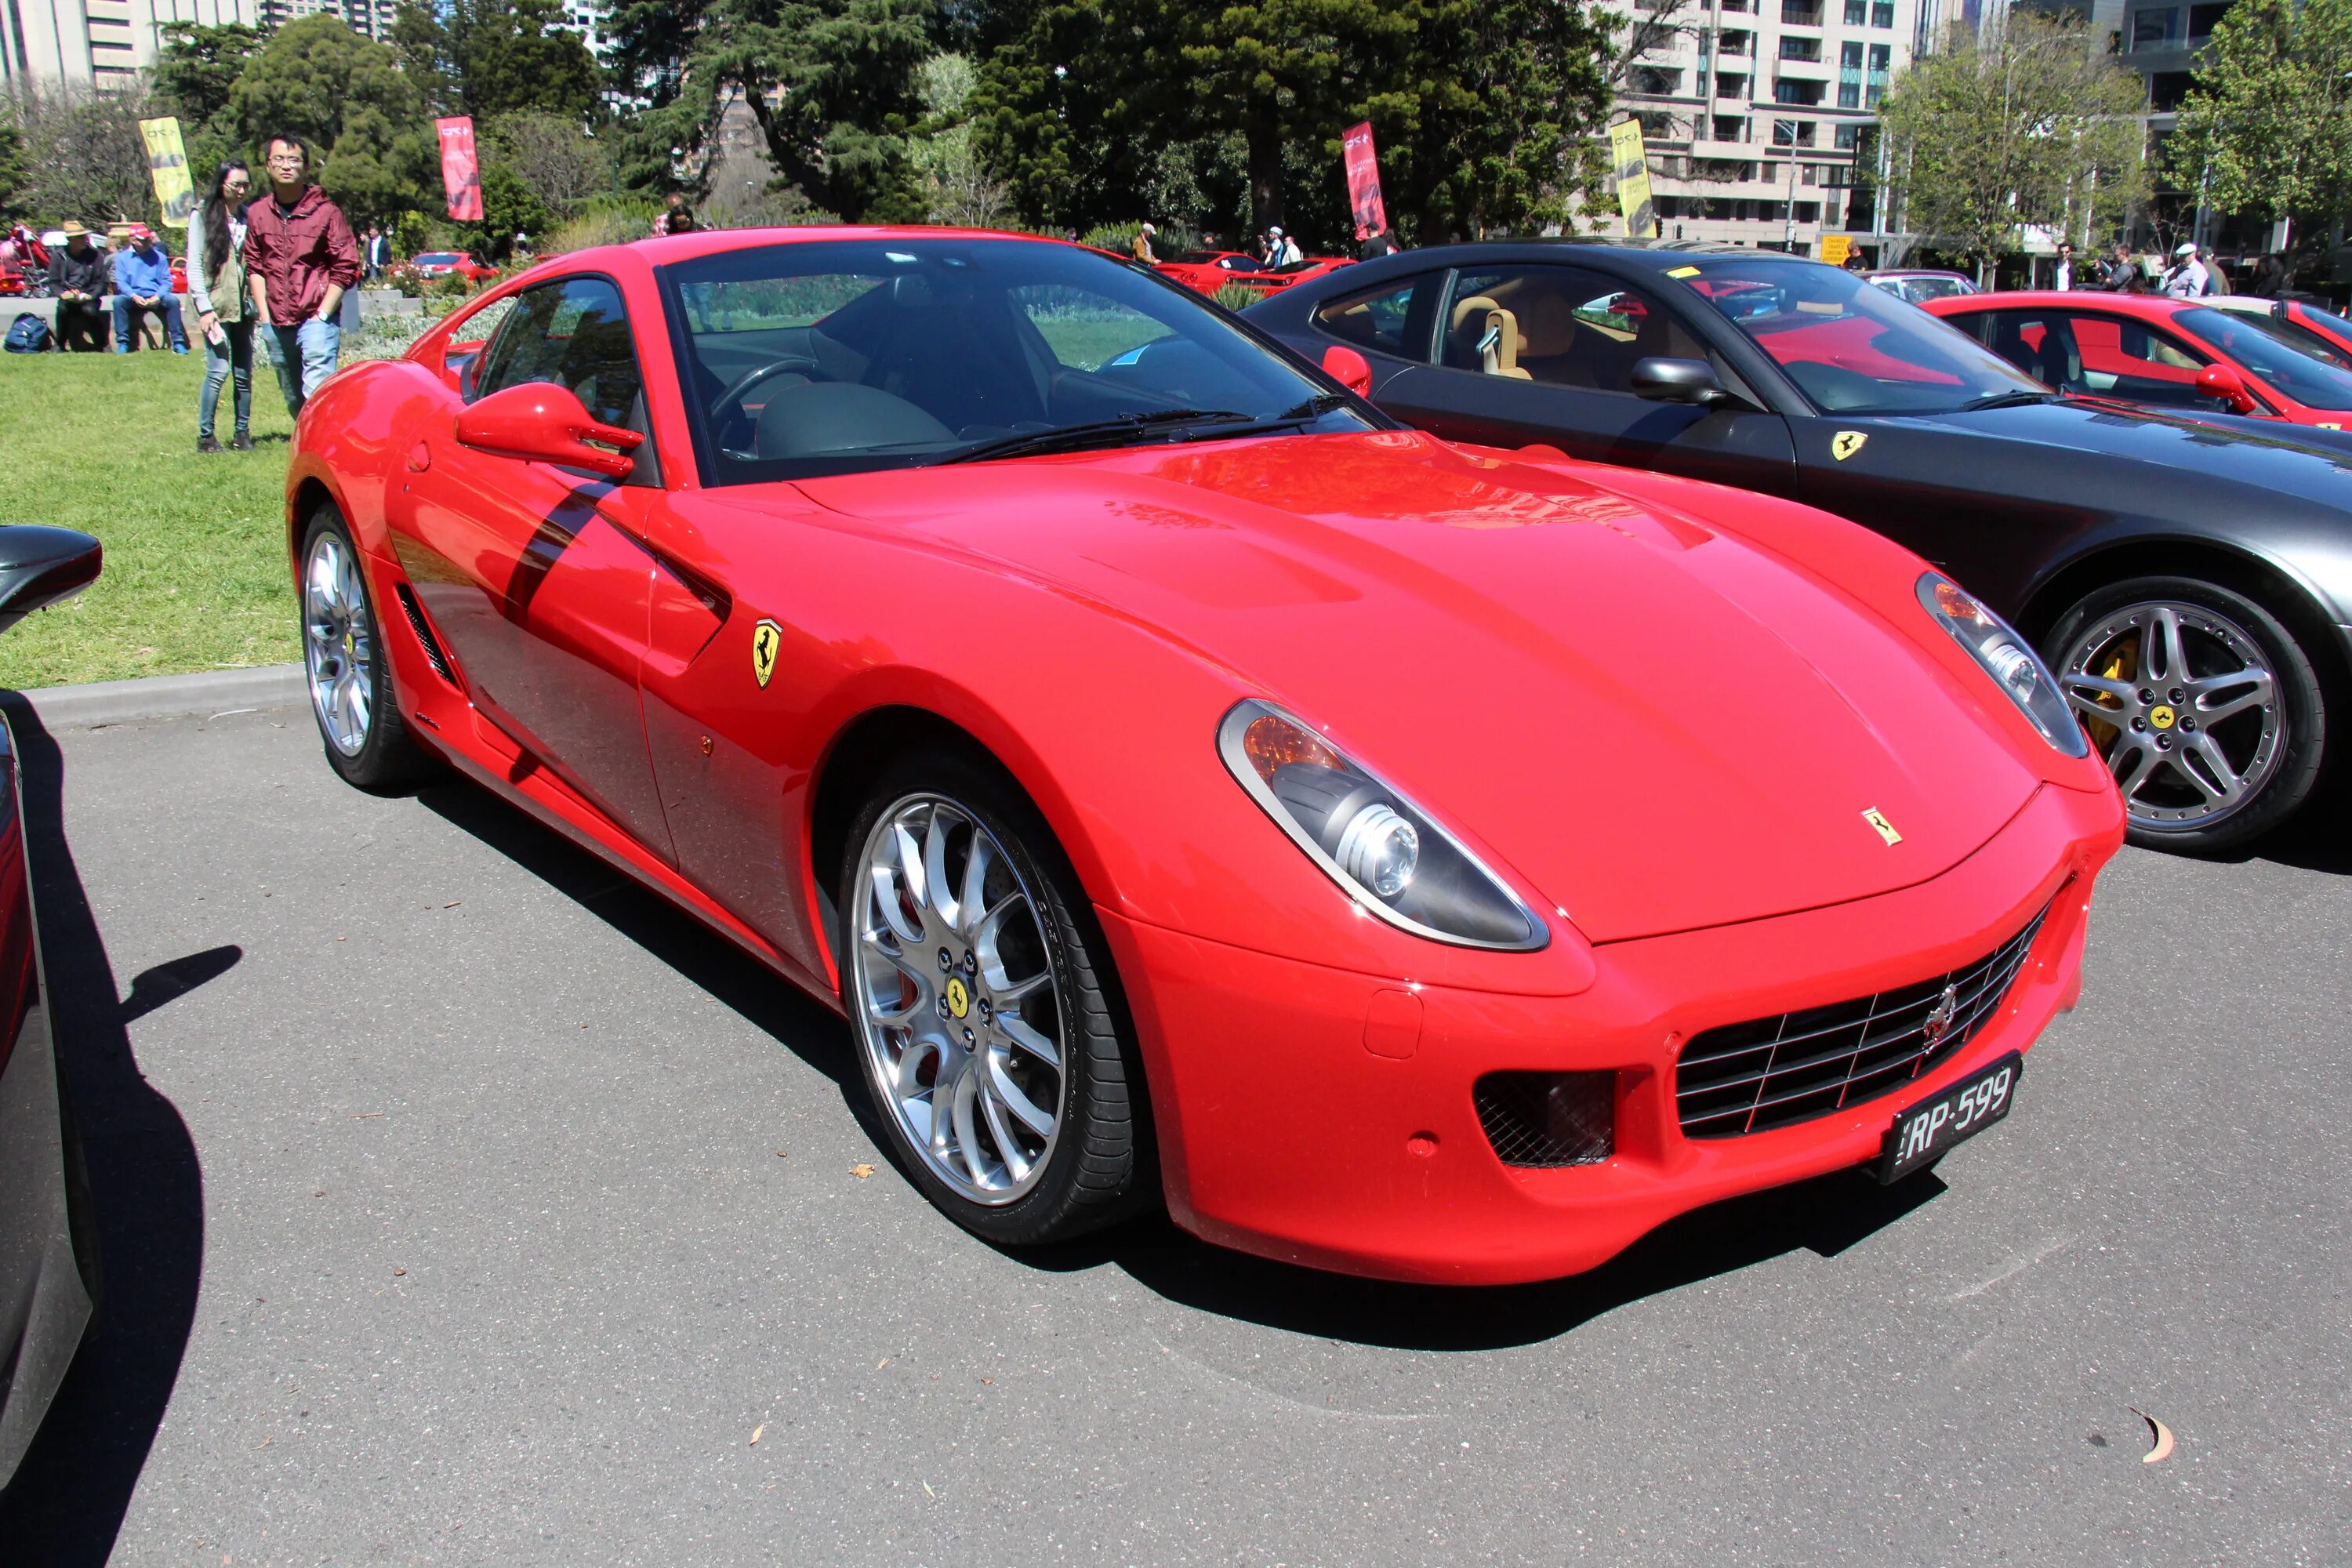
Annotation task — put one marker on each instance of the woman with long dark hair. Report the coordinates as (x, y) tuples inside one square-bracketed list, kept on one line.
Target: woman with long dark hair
[(224, 310)]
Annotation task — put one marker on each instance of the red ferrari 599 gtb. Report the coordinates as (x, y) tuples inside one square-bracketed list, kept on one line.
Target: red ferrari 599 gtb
[(1428, 861)]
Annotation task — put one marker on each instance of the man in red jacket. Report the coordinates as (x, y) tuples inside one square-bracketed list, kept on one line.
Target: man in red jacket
[(299, 256)]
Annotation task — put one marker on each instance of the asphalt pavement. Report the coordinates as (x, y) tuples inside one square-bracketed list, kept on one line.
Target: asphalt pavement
[(464, 1204)]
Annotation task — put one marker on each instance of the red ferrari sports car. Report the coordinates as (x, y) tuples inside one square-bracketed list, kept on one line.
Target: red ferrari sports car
[(1206, 272), (2156, 351), (1434, 862)]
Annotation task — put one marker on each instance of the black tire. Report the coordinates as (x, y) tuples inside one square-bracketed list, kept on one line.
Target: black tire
[(1101, 1168), (2300, 708), (388, 761)]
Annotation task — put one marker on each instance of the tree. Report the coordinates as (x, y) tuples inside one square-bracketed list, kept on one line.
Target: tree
[(2020, 124), (553, 156), (195, 77), (82, 154), (2266, 128), (14, 168), (957, 190), (349, 99), (514, 56), (832, 87)]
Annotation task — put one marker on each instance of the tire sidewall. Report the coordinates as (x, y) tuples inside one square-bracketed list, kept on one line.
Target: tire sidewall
[(377, 763), (2302, 702), (1026, 838)]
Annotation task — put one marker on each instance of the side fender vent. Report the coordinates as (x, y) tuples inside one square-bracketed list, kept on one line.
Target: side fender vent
[(423, 630)]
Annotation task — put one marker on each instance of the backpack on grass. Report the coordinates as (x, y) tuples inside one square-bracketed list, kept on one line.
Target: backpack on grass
[(28, 334)]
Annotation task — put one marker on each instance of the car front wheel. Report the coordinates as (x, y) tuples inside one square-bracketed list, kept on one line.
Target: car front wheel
[(348, 669), (980, 996), (2205, 707)]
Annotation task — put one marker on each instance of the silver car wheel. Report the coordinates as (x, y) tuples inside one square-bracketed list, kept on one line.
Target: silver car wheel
[(2184, 706), (954, 999), (338, 643)]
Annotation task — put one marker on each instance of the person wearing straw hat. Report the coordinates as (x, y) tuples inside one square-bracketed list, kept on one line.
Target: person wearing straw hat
[(78, 281)]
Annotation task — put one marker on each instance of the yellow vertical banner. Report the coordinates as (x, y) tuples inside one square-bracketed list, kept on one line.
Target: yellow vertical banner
[(167, 161), (1633, 169)]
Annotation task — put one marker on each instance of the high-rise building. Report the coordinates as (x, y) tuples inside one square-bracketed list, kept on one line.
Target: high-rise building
[(52, 43), (1753, 111), (371, 18)]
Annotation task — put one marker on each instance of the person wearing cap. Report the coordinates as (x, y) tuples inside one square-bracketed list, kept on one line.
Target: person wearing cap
[(142, 288), (1142, 250), (78, 281), (2187, 278)]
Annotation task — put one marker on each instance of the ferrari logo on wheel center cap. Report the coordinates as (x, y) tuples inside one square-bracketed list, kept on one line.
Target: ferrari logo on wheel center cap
[(959, 997), (2160, 716)]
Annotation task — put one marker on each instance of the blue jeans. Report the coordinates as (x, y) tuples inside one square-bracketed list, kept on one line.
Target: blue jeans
[(126, 314), (305, 357), (233, 355)]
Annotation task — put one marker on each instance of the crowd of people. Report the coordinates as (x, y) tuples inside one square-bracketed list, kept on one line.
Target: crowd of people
[(270, 267), (2193, 272)]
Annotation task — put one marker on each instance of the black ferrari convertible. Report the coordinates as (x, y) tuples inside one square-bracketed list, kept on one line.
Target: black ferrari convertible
[(2190, 579)]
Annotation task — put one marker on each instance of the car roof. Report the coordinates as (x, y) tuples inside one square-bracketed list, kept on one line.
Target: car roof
[(1917, 272), (2158, 305)]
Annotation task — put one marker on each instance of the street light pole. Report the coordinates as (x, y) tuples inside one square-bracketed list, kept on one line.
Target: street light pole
[(1789, 214)]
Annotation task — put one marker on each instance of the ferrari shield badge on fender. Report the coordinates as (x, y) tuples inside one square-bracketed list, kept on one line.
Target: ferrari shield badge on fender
[(1845, 444), (765, 638), (1878, 819)]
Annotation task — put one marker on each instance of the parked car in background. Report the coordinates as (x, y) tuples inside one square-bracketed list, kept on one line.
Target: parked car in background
[(2190, 579), (447, 263), (49, 1257), (12, 281), (1206, 272), (179, 275), (2313, 328), (2154, 351), (1921, 284)]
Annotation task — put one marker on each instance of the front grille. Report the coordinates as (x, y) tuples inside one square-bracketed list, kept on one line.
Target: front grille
[(1775, 1072), (1546, 1119)]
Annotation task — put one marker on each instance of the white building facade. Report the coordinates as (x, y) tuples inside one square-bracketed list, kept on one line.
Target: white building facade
[(50, 45), (1753, 112)]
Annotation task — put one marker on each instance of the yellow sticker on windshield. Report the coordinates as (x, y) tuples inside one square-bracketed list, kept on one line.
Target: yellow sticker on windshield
[(1845, 444), (1683, 272)]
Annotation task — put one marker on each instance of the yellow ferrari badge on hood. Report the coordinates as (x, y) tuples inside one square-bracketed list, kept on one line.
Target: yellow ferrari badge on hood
[(765, 639), (1845, 444), (1878, 819)]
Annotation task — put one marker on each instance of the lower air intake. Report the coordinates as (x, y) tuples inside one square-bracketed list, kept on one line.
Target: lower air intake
[(423, 630), (1545, 1120)]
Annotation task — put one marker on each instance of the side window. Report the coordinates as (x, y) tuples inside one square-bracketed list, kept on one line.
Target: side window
[(2127, 359), (1558, 326), (576, 334), (2038, 342), (1381, 319)]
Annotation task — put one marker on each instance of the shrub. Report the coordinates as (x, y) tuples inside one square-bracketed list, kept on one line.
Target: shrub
[(613, 223), (1236, 297)]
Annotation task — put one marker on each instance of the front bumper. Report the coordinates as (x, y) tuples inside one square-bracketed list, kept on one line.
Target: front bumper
[(1300, 1118)]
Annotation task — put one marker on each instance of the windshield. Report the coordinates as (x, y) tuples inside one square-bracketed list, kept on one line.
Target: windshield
[(1852, 348), (2255, 342), (834, 356), (438, 258)]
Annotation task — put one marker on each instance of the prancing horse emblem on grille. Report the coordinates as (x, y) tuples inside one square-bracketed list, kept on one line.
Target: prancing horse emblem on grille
[(1940, 1016)]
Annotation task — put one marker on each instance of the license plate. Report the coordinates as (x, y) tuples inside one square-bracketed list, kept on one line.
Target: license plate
[(1923, 1133)]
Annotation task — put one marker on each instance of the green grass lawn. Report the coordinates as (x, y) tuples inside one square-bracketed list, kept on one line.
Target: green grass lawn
[(195, 570)]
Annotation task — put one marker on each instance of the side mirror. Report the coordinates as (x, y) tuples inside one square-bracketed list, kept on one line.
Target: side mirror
[(2222, 384), (1348, 368), (544, 423), (41, 565), (1690, 381)]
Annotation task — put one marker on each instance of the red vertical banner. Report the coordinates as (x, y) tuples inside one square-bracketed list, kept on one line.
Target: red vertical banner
[(1363, 181), (461, 173)]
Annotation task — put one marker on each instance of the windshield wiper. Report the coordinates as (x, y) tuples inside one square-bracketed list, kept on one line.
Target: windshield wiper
[(2004, 400), (1071, 437)]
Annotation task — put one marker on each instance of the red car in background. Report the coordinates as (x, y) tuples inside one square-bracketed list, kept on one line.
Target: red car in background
[(2158, 352), (1206, 272), (449, 263), (811, 576), (2317, 332)]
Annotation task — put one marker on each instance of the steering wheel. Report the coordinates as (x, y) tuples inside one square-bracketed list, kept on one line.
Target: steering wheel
[(752, 378)]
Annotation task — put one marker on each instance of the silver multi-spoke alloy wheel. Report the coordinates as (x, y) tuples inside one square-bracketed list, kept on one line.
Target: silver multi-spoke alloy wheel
[(2183, 704), (954, 999), (338, 642)]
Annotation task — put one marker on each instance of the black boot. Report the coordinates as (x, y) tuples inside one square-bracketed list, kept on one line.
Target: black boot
[(206, 444)]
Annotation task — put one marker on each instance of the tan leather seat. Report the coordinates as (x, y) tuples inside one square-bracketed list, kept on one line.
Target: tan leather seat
[(1497, 338), (1548, 327)]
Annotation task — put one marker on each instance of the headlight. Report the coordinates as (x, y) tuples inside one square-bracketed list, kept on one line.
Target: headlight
[(2008, 658), (1384, 850)]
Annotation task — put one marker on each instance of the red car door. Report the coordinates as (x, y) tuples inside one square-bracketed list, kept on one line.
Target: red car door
[(529, 574)]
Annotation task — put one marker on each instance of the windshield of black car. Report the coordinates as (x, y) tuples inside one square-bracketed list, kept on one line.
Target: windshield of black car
[(1851, 347), (2267, 353), (835, 356)]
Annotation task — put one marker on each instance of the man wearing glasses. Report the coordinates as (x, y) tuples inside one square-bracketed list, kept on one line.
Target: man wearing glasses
[(299, 256)]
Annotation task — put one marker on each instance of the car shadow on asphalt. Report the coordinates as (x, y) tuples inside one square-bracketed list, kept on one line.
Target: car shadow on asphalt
[(66, 1505), (763, 998), (1825, 1217)]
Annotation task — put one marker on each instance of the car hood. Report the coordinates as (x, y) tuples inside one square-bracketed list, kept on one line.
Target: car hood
[(2302, 460), (1658, 725)]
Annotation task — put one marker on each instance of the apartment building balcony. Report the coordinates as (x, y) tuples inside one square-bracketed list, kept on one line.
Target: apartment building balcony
[(1801, 13)]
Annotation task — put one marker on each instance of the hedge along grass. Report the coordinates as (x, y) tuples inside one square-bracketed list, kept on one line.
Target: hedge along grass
[(195, 570)]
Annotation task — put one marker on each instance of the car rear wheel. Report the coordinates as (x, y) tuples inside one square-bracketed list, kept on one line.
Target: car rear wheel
[(2203, 704), (348, 669), (988, 1037)]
